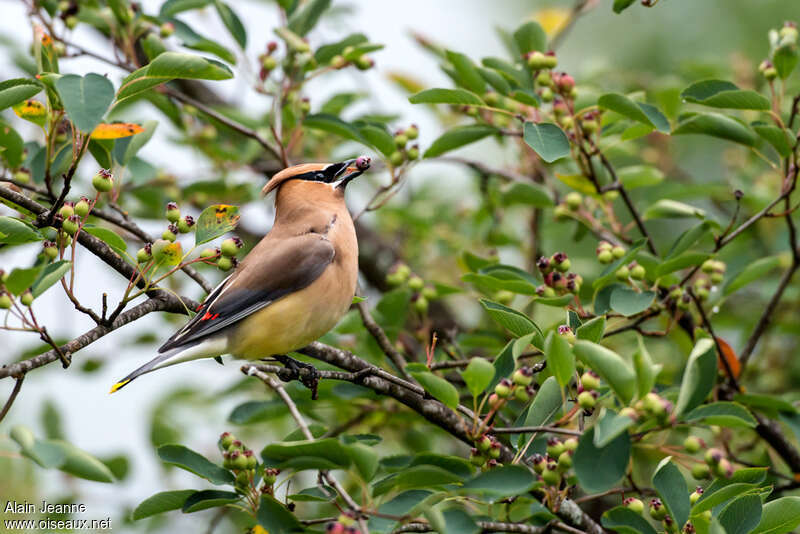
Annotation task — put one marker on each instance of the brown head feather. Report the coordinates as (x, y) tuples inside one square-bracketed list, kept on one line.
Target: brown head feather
[(290, 172)]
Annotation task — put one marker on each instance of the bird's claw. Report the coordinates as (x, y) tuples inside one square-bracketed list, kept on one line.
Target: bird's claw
[(310, 379)]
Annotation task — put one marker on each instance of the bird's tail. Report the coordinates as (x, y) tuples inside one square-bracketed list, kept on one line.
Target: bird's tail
[(204, 349)]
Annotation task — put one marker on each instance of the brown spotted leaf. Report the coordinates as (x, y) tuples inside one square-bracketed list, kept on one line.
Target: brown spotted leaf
[(116, 130), (215, 221)]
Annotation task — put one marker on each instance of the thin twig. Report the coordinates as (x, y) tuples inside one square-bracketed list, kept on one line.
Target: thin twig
[(12, 397), (529, 429)]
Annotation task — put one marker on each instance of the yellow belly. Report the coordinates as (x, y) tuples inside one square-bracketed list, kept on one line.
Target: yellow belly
[(293, 321)]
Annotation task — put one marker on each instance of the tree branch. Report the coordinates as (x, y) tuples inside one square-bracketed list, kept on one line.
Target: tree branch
[(12, 397)]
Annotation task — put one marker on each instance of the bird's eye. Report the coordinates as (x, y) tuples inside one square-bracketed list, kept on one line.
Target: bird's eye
[(320, 177)]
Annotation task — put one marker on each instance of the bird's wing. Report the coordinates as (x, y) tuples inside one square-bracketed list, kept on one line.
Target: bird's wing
[(273, 269)]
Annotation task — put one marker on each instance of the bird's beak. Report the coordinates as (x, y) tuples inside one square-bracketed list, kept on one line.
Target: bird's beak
[(345, 171)]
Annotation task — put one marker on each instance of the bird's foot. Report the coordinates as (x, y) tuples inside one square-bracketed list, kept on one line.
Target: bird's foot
[(309, 379)]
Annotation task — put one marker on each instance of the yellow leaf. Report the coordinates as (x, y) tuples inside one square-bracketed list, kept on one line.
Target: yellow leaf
[(31, 110), (552, 19), (258, 529), (116, 130), (579, 183)]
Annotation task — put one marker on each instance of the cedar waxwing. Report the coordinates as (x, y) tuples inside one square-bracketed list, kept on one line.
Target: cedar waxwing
[(293, 287)]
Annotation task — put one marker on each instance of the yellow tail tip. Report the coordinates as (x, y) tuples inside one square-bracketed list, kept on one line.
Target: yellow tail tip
[(117, 386)]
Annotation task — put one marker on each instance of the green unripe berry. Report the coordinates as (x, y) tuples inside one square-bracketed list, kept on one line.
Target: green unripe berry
[(724, 469), (550, 60), (186, 224), (605, 256), (396, 158), (714, 456), (103, 181), (225, 440), (561, 212), (71, 225), (564, 461), (571, 444), (364, 63), (413, 153), (429, 292), (633, 504), (551, 477), (590, 126), (692, 444), (82, 208), (268, 62), (563, 266), (230, 247), (412, 132), (421, 305), (400, 140), (157, 249), (172, 212), (252, 461), (144, 254), (707, 266), (521, 394), (622, 273), (393, 279), (544, 79), (208, 253), (522, 376), (494, 450), (555, 447), (638, 272), (338, 62), (224, 263), (22, 176), (503, 297), (26, 299), (416, 283), (239, 461), (539, 463), (630, 412), (305, 106), (701, 471), (169, 235), (242, 479), (573, 200), (477, 459), (67, 210), (716, 277), (586, 400), (695, 495), (589, 381), (537, 60), (484, 443), (617, 252), (71, 21), (657, 509), (547, 95), (50, 250), (5, 301), (503, 388)]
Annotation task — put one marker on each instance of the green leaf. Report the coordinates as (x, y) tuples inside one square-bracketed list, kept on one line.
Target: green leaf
[(467, 74), (194, 463), (622, 5), (215, 221), (125, 149), (11, 146), (780, 139), (495, 79), (275, 518), (560, 359), (378, 137), (609, 426), (741, 515), (716, 125), (21, 279), (724, 94), (458, 97), (599, 469), (637, 111), (438, 387), (779, 516), (530, 194), (326, 53), (671, 487), (689, 259), (15, 231), (365, 459), (458, 137), (546, 404), (501, 482), (646, 371), (191, 39), (530, 36), (108, 236), (785, 58), (330, 449), (509, 318), (205, 499), (303, 20), (639, 176), (625, 521), (332, 124), (51, 274), (160, 503), (173, 7), (169, 66), (670, 209), (419, 476), (547, 140), (610, 366), (721, 495), (85, 99), (232, 23), (478, 375), (689, 238), (729, 414), (757, 270), (17, 90), (592, 330), (699, 377), (627, 301)]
